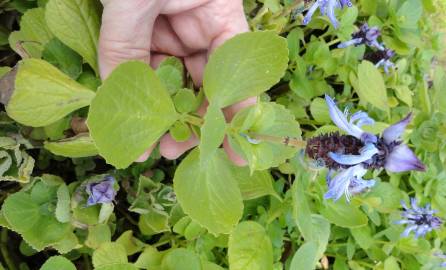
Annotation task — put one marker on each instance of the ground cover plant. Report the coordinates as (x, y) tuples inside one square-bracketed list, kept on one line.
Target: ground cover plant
[(345, 147)]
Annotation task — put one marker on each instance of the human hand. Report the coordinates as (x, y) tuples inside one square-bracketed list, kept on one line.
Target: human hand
[(148, 30)]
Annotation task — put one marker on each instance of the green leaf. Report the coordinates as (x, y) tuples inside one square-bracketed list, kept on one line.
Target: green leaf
[(153, 222), (319, 110), (181, 259), (245, 66), (149, 258), (185, 101), (259, 184), (130, 112), (62, 57), (171, 77), (21, 212), (58, 263), (43, 94), (97, 235), (212, 133), (391, 263), (270, 124), (109, 254), (119, 266), (131, 244), (250, 248), (305, 257), (33, 34), (180, 131), (209, 195), (409, 14), (344, 215), (363, 237), (63, 205), (371, 87), (78, 146), (404, 94), (76, 23)]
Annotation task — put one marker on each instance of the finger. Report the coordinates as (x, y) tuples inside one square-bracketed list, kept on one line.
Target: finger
[(177, 6), (166, 41), (146, 154), (171, 149), (126, 32), (233, 156), (232, 110), (195, 65), (156, 59)]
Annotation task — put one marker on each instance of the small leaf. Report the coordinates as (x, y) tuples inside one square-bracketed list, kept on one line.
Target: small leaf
[(171, 77), (305, 257), (76, 24), (75, 147), (185, 101), (209, 195), (131, 244), (259, 184), (250, 248), (63, 206), (245, 66), (43, 94), (371, 87), (109, 254), (212, 133), (344, 215), (64, 58), (131, 111), (180, 131), (409, 14), (269, 123), (153, 222), (181, 258), (58, 262), (97, 235), (319, 110)]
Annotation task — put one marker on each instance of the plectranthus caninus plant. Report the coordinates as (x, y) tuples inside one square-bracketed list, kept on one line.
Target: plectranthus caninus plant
[(353, 154), (382, 59), (326, 7), (101, 192), (366, 35), (419, 220)]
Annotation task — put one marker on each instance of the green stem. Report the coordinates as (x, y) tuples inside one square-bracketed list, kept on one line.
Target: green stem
[(293, 142), (193, 120), (334, 41), (87, 264), (4, 249)]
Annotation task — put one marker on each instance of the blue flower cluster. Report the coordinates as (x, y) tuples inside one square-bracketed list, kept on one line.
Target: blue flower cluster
[(326, 7), (350, 156)]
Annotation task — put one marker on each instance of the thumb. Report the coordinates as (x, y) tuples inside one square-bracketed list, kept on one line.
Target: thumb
[(126, 32)]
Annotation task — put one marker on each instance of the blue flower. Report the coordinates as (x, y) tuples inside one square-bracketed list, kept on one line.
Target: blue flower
[(351, 155), (326, 7), (420, 220), (366, 35), (385, 60), (347, 182), (101, 192)]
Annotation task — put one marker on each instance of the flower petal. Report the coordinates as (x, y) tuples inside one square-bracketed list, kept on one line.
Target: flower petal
[(402, 159), (394, 132), (310, 13), (348, 43), (366, 153), (340, 119), (340, 184)]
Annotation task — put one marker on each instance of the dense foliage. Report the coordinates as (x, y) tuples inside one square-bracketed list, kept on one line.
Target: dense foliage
[(72, 197)]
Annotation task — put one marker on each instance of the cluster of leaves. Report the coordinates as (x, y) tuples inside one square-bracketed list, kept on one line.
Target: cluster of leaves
[(61, 122)]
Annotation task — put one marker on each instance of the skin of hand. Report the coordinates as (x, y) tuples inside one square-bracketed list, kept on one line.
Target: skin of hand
[(149, 30)]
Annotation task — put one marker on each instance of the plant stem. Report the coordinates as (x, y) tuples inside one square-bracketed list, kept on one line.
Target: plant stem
[(193, 120), (87, 264), (4, 249), (293, 142)]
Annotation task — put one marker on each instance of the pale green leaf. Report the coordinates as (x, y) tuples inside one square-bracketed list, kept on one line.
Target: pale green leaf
[(180, 131), (63, 205), (43, 94), (58, 263), (153, 222), (171, 77), (185, 100), (212, 133), (371, 87), (259, 184), (245, 66), (305, 257), (97, 235), (149, 258), (409, 14), (119, 266), (33, 34), (131, 244), (76, 23), (209, 195), (319, 110), (130, 112), (78, 146), (269, 124), (344, 215), (109, 254), (250, 248), (181, 259)]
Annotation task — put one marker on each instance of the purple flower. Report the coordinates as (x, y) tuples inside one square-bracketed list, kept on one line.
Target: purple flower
[(385, 61), (101, 192), (326, 7), (420, 220), (351, 155), (365, 35)]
